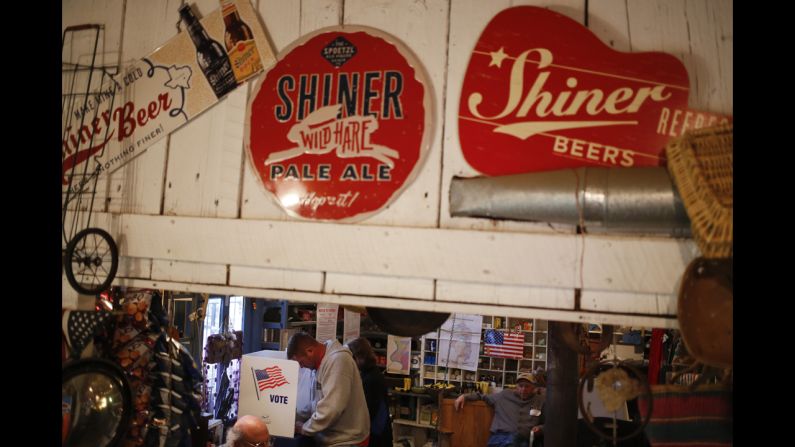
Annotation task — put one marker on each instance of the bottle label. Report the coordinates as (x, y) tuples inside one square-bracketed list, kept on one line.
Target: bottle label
[(227, 7), (221, 77), (245, 60)]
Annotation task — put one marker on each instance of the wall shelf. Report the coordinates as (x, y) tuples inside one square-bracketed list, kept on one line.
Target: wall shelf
[(266, 323), (413, 424), (502, 371)]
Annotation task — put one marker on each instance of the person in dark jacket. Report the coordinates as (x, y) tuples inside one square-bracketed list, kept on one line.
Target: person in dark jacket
[(374, 392)]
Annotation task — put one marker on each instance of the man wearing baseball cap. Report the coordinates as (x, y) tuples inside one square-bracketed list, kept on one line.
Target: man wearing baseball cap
[(518, 413)]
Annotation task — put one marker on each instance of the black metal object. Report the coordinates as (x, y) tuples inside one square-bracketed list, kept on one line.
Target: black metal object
[(89, 387), (88, 271), (573, 334), (560, 428), (406, 323), (91, 261), (598, 427)]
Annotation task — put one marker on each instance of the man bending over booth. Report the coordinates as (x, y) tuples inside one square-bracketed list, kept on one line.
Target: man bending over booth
[(341, 417)]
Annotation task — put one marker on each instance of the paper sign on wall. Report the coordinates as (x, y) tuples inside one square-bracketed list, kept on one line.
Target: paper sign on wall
[(268, 389), (398, 354), (326, 321), (152, 97), (352, 325)]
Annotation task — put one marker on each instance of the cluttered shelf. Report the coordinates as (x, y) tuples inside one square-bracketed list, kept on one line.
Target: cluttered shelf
[(503, 347), (415, 406), (413, 424), (406, 393)]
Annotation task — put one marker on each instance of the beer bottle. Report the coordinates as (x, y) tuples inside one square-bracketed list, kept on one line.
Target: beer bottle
[(210, 55), (240, 44)]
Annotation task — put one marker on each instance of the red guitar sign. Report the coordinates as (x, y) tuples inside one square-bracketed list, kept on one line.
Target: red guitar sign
[(541, 92), (340, 125)]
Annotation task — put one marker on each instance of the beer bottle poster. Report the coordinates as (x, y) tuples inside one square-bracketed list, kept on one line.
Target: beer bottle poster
[(340, 125), (542, 92), (151, 97)]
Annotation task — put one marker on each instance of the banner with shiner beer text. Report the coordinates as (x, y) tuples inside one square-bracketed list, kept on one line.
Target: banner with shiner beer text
[(542, 92), (157, 94)]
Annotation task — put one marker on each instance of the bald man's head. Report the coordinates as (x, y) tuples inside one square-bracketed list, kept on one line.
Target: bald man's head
[(248, 431)]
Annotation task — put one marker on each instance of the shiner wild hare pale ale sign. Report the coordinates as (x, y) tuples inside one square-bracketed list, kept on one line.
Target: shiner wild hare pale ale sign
[(542, 92), (153, 96), (340, 125)]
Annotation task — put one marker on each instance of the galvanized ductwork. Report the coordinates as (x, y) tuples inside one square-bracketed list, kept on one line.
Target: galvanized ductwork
[(628, 200)]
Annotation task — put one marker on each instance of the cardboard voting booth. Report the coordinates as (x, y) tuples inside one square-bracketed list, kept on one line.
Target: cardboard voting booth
[(268, 389)]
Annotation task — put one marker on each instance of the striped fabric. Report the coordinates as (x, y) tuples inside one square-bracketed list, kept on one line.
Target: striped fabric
[(683, 418)]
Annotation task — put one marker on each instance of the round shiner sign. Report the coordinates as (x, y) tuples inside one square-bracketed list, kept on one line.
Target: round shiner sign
[(340, 125)]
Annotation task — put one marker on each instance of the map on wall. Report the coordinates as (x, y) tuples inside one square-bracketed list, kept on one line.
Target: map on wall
[(458, 354), (464, 327), (459, 342)]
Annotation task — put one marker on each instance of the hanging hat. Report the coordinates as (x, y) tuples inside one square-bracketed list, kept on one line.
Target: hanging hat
[(705, 311), (700, 163)]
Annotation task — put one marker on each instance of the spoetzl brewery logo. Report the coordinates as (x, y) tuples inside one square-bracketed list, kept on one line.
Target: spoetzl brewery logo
[(339, 126), (541, 92)]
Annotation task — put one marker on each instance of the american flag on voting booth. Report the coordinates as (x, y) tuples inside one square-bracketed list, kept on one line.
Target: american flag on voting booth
[(509, 345), (269, 378)]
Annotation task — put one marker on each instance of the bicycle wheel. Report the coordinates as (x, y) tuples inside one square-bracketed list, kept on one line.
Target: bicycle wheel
[(91, 261), (599, 425)]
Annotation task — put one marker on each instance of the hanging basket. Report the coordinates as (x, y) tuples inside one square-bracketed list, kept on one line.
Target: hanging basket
[(700, 163)]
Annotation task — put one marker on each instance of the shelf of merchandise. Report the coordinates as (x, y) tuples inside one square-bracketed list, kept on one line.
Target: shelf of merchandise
[(421, 408), (501, 371), (267, 325)]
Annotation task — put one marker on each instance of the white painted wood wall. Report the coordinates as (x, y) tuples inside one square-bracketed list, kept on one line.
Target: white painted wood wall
[(190, 215)]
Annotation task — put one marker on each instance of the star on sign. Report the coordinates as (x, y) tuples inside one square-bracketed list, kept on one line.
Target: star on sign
[(497, 57), (179, 77)]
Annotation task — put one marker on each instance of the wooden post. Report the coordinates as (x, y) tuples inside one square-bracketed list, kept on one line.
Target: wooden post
[(560, 427)]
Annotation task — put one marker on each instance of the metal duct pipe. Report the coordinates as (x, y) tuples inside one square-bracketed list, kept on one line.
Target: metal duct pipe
[(633, 200)]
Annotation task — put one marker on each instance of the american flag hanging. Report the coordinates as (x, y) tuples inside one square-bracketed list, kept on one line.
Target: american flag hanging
[(269, 378), (509, 345)]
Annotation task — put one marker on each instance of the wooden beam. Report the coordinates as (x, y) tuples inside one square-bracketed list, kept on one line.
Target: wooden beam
[(405, 303), (611, 263)]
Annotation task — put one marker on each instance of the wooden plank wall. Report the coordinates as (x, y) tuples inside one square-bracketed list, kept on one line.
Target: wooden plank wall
[(201, 177)]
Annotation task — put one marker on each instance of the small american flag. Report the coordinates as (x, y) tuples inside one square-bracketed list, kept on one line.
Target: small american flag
[(269, 378), (509, 345)]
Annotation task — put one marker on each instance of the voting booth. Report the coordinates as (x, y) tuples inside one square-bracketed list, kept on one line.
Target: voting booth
[(268, 389)]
